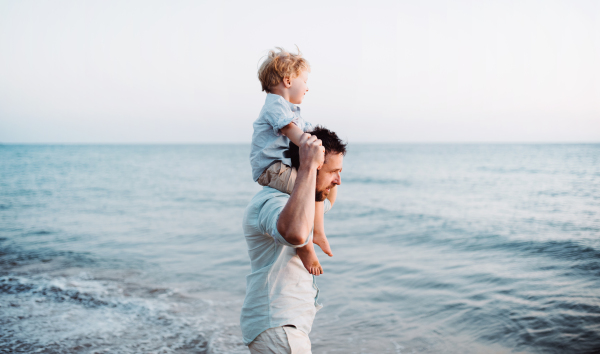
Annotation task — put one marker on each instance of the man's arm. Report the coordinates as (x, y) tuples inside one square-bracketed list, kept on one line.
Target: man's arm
[(297, 217)]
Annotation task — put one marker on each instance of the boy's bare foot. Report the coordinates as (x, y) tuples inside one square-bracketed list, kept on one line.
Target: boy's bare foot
[(309, 259), (321, 241)]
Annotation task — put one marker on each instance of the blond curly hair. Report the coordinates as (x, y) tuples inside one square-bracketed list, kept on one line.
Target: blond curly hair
[(279, 65)]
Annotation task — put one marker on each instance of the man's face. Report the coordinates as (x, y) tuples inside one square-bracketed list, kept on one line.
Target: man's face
[(329, 175)]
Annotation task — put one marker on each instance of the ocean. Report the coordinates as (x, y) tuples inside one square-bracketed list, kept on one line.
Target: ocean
[(438, 248)]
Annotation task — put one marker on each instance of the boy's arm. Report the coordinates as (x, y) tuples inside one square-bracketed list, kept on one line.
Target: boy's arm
[(332, 195), (292, 132)]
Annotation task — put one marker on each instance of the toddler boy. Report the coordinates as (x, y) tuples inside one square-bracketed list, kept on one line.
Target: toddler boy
[(284, 77)]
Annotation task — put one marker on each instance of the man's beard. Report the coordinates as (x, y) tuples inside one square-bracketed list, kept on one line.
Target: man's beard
[(321, 195)]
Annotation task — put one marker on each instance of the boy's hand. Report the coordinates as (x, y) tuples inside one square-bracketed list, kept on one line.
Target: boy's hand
[(312, 152)]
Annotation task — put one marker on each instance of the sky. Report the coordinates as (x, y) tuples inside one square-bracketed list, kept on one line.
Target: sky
[(382, 71)]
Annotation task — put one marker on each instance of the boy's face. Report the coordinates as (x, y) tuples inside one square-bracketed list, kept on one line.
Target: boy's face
[(298, 87)]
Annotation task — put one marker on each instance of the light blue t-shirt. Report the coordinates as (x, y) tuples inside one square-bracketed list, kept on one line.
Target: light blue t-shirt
[(279, 290), (268, 144)]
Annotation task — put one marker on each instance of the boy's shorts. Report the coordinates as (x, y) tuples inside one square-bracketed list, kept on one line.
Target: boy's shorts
[(279, 176)]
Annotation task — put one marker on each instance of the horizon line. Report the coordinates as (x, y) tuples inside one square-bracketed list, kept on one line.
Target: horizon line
[(358, 143)]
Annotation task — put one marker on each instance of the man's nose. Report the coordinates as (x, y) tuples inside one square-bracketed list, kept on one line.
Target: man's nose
[(338, 179)]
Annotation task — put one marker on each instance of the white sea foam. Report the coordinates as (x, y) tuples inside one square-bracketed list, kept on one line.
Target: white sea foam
[(100, 315)]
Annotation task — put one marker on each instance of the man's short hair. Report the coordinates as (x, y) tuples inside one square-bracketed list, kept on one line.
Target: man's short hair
[(331, 142), (279, 65)]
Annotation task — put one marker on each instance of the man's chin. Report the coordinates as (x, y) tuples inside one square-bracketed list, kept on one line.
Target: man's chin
[(321, 195)]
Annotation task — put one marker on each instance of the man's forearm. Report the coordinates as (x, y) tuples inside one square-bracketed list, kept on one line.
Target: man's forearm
[(297, 217)]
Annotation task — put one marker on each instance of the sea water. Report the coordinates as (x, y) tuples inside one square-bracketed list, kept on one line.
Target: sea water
[(437, 249)]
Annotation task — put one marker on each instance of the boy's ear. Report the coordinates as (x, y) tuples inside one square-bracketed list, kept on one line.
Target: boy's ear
[(287, 82)]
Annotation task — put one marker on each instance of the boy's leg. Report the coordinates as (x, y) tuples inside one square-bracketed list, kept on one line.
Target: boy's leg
[(283, 177), (319, 230), (279, 176), (308, 256)]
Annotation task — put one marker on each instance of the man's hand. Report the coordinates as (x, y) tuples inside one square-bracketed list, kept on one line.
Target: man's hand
[(312, 152)]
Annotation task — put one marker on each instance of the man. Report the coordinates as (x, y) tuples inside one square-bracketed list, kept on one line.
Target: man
[(281, 296)]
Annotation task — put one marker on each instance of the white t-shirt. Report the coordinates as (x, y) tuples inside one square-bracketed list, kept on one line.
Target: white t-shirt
[(279, 290)]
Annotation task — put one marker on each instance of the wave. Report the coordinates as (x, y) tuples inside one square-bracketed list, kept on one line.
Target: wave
[(59, 314), (581, 256), (376, 180), (12, 256), (81, 312), (52, 301), (55, 290)]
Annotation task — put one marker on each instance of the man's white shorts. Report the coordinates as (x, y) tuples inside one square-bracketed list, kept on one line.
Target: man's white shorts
[(280, 340)]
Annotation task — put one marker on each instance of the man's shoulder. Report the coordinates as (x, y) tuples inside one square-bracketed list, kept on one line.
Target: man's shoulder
[(265, 204), (268, 195)]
